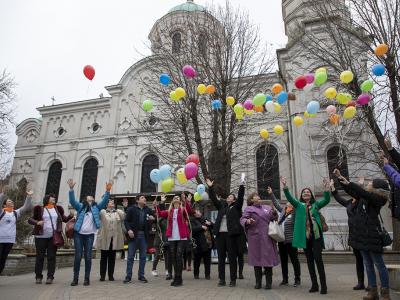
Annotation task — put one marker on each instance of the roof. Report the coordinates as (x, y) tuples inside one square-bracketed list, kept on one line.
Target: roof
[(189, 6)]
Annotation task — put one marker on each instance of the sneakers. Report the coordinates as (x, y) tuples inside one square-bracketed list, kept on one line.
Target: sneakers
[(166, 273), (154, 273), (297, 282), (38, 280), (49, 281)]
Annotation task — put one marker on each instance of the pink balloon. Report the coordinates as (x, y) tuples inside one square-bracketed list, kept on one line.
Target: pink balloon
[(363, 99), (191, 170), (331, 110), (310, 78), (188, 71), (248, 104)]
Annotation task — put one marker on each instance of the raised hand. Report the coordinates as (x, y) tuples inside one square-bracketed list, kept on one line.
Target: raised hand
[(332, 185), (109, 186), (283, 181), (209, 182), (361, 180), (388, 143), (29, 193), (343, 180), (71, 183), (163, 198), (189, 197), (326, 184), (269, 190), (250, 221), (336, 172)]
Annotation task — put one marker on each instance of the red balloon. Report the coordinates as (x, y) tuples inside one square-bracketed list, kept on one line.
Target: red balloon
[(89, 72), (194, 158), (351, 103), (300, 82)]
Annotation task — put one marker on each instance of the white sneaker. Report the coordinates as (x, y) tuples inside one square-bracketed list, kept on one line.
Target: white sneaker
[(154, 272), (166, 273)]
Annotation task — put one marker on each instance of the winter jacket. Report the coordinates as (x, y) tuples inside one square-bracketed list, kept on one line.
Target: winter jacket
[(288, 221), (111, 230), (393, 175), (394, 190), (132, 220), (38, 211), (204, 238)]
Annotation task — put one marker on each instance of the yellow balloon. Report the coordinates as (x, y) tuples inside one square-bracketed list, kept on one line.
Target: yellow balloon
[(167, 185), (324, 70), (307, 115), (230, 101), (330, 93), (180, 175), (298, 121), (349, 112), (346, 76), (180, 92), (277, 107), (249, 112), (278, 130), (264, 134), (201, 89), (173, 96), (197, 197), (343, 98), (239, 117)]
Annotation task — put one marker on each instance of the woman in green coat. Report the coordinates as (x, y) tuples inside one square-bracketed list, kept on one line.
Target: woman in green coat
[(308, 233)]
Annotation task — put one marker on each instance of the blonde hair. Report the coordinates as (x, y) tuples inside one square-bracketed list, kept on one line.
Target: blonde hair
[(171, 205)]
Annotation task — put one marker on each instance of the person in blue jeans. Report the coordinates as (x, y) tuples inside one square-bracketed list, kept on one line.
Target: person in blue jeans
[(137, 225), (87, 223)]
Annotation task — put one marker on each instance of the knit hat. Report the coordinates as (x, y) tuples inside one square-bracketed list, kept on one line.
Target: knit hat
[(380, 184)]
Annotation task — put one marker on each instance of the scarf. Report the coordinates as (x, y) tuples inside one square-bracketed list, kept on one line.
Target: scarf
[(309, 217), (8, 209), (49, 206)]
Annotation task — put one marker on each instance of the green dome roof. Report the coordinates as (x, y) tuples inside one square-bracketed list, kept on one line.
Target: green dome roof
[(188, 6)]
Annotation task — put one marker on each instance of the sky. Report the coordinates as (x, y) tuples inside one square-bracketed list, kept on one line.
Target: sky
[(46, 43)]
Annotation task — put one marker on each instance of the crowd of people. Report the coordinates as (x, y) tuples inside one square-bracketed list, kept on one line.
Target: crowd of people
[(181, 229)]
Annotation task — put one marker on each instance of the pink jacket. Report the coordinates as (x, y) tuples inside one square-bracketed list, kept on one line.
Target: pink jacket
[(183, 220)]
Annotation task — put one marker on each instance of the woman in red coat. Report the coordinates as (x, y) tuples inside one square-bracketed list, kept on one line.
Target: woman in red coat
[(178, 232)]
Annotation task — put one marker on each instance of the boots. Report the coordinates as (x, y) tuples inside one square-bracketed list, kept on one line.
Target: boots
[(268, 278), (258, 275), (372, 294), (385, 294)]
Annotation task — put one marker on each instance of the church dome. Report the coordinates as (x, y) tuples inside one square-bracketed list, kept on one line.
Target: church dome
[(189, 6)]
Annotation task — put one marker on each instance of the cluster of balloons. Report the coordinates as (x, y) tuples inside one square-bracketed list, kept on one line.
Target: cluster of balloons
[(203, 89), (89, 72), (163, 175), (278, 130), (380, 50), (178, 94)]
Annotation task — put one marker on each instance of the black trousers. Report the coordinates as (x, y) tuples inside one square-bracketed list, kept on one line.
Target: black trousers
[(227, 244), (359, 266), (314, 257), (240, 263), (176, 249), (107, 257), (187, 257), (285, 251), (5, 249), (206, 256), (43, 247), (167, 260)]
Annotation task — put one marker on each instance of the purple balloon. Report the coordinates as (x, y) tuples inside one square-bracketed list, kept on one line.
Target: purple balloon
[(310, 78), (248, 104), (191, 170), (363, 99), (188, 71)]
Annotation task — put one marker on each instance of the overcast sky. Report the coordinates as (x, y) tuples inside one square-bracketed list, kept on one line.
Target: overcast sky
[(46, 43)]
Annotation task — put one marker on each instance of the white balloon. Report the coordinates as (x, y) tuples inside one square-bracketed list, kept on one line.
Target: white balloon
[(205, 196), (308, 87), (270, 106)]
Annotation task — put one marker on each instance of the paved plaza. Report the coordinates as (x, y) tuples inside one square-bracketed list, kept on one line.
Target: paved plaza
[(341, 278)]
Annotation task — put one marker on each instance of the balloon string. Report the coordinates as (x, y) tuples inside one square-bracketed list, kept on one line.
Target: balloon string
[(88, 88)]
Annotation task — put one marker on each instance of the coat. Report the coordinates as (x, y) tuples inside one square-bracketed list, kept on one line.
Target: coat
[(38, 211), (132, 220), (111, 228), (394, 190), (262, 250), (183, 220), (299, 236), (393, 175), (199, 235), (366, 223), (233, 212)]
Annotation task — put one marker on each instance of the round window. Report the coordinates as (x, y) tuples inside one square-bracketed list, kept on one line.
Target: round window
[(60, 131), (95, 127), (152, 120)]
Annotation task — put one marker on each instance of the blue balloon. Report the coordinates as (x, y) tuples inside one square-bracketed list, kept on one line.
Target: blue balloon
[(378, 70), (282, 97), (216, 104), (165, 172), (313, 107), (201, 189), (269, 98), (164, 79), (155, 175)]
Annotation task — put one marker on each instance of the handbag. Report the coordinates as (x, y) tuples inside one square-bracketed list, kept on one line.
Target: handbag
[(275, 231), (69, 228), (325, 226), (383, 234), (58, 239), (191, 242)]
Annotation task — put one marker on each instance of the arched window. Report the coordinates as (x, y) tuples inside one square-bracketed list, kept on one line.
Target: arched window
[(337, 159), (267, 160), (176, 42), (202, 44), (54, 178), (150, 162), (89, 178)]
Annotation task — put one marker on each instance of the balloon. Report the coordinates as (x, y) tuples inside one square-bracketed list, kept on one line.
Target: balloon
[(367, 86), (191, 170), (313, 107), (197, 197), (264, 134), (155, 176), (349, 112), (173, 96), (320, 78), (164, 79), (147, 105), (351, 103), (277, 107), (291, 96), (321, 70), (378, 70), (216, 104), (201, 89), (192, 158), (201, 189), (307, 115), (381, 50), (308, 87), (259, 99), (298, 121), (189, 71), (269, 98), (180, 175), (238, 109), (331, 110), (282, 97), (258, 108), (346, 76), (89, 72), (230, 101), (180, 92), (343, 98), (205, 196), (334, 119), (300, 82), (270, 106), (210, 89), (249, 112), (278, 130), (277, 88), (363, 99), (330, 93), (167, 185), (165, 171), (248, 105), (239, 117), (310, 78)]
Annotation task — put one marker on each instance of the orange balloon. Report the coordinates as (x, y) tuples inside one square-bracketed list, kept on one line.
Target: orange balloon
[(381, 50), (259, 108), (210, 89), (334, 119), (277, 88)]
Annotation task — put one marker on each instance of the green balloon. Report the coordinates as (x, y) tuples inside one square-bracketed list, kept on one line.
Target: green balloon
[(321, 78), (167, 185), (238, 109), (367, 85), (259, 100), (147, 105)]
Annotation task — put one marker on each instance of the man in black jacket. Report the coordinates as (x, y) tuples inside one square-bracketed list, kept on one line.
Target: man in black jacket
[(228, 231), (137, 226)]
